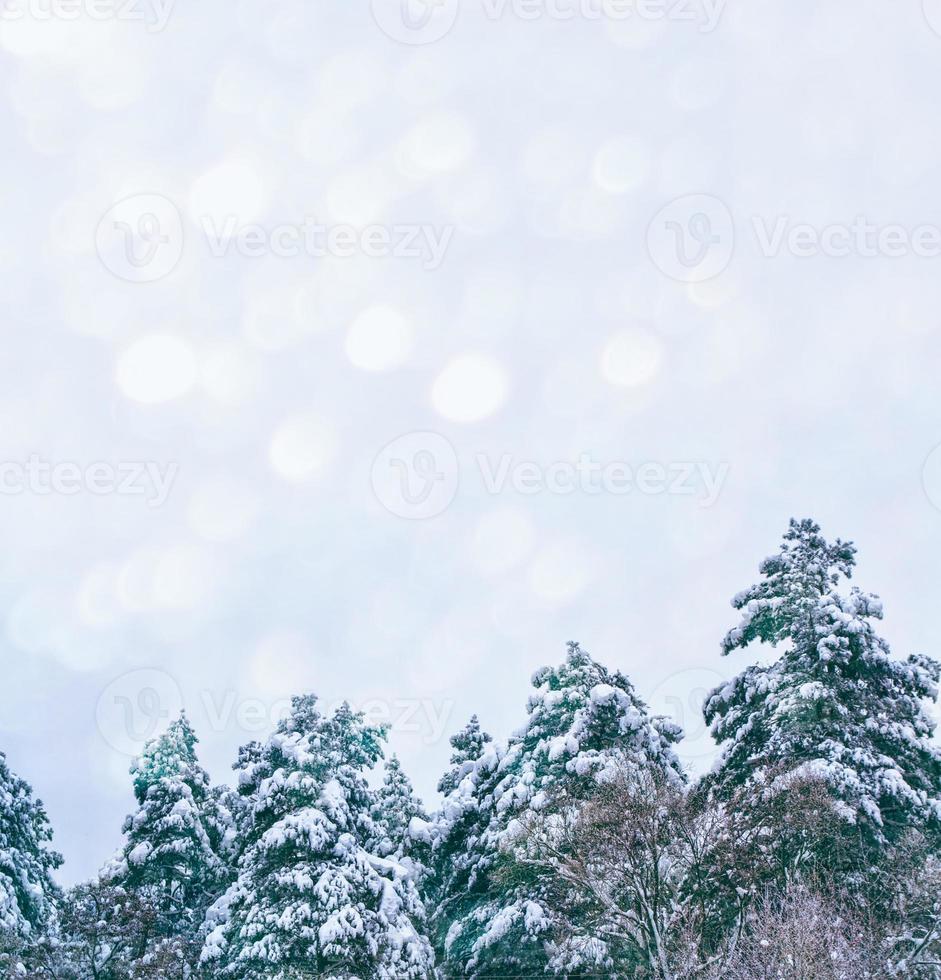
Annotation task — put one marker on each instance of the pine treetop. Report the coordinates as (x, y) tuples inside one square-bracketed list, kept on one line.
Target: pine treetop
[(584, 725), (834, 705), (313, 897), (779, 605), (27, 891), (469, 745), (171, 755)]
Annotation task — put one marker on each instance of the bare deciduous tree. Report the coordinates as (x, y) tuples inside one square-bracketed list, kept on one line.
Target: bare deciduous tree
[(801, 935), (617, 867)]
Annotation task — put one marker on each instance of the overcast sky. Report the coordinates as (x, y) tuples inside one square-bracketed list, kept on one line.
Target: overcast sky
[(379, 350)]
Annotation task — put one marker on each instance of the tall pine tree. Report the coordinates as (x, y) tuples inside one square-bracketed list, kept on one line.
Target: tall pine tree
[(469, 745), (834, 706), (27, 891), (310, 898), (173, 840), (398, 813), (585, 725)]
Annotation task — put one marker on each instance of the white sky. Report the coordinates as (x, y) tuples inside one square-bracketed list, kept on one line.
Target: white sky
[(537, 154)]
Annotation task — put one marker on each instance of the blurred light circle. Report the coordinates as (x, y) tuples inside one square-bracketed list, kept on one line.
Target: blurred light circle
[(471, 387), (233, 189), (621, 164), (631, 358), (156, 369), (379, 339), (302, 448)]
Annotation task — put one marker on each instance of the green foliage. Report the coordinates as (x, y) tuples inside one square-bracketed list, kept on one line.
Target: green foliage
[(834, 705)]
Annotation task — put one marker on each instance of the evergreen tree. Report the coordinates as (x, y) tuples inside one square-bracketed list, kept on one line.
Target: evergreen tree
[(834, 705), (398, 814), (585, 726), (310, 899), (457, 830), (27, 891), (173, 840), (469, 745)]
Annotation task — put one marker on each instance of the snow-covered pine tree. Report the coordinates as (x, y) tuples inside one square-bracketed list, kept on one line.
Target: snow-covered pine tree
[(834, 705), (469, 745), (585, 725), (456, 831), (173, 840), (397, 813), (27, 891), (310, 900)]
